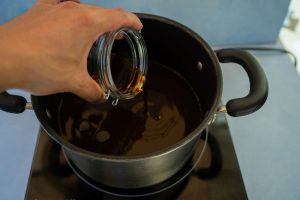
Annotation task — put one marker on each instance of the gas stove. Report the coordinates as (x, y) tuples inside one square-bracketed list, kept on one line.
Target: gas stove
[(216, 176)]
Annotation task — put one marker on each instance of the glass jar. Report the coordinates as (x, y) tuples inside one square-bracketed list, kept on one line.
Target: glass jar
[(118, 61)]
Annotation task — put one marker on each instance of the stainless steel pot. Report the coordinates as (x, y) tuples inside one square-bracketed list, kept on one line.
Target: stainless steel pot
[(179, 48)]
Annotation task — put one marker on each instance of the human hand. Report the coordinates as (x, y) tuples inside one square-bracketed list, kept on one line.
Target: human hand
[(45, 50)]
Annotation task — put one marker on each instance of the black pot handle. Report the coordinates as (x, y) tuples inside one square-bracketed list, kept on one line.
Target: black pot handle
[(12, 103), (258, 82)]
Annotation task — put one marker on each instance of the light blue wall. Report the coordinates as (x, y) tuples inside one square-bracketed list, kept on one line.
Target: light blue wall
[(220, 22)]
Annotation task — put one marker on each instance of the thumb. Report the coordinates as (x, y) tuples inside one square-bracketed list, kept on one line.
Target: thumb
[(88, 89)]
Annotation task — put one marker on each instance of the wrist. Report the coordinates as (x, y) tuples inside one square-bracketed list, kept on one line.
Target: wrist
[(12, 72)]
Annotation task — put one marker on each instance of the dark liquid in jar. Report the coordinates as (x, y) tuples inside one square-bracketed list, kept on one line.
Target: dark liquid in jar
[(127, 77), (160, 116)]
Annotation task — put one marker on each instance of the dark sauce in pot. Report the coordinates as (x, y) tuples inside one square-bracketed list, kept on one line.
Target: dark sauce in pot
[(163, 114)]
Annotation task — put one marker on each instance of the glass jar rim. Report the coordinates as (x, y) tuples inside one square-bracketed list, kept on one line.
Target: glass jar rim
[(139, 56)]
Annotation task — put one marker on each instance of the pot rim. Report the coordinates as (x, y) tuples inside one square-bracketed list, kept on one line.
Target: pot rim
[(208, 116)]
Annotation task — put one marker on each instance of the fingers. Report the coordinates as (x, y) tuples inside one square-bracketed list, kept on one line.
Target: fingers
[(53, 2), (88, 89), (76, 1), (48, 1), (105, 20), (117, 17)]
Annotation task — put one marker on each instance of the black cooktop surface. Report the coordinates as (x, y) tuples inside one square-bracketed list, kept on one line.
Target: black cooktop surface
[(216, 176)]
